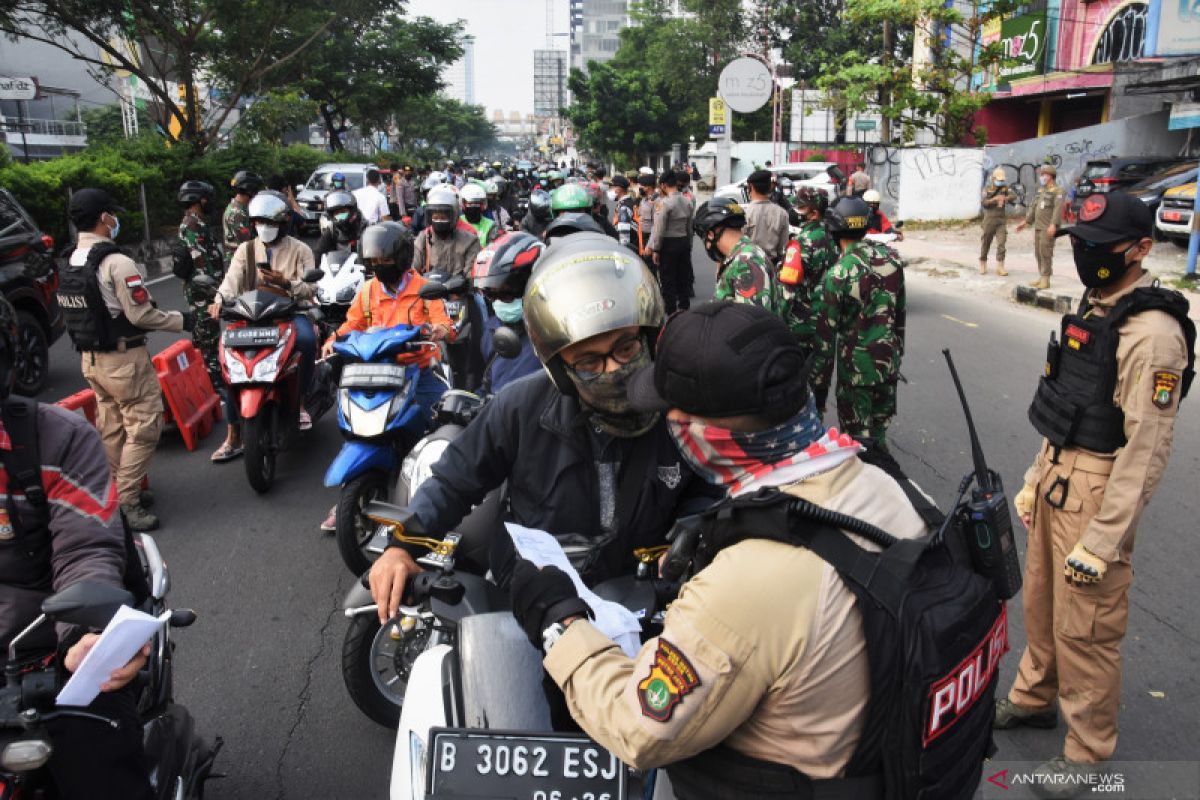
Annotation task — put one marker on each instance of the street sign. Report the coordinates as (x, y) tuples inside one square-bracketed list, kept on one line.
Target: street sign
[(18, 88), (1184, 115), (715, 131), (716, 112), (864, 124), (745, 84)]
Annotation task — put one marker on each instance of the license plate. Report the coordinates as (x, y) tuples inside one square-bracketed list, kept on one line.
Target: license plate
[(1172, 216), (453, 307), (522, 766), (251, 337)]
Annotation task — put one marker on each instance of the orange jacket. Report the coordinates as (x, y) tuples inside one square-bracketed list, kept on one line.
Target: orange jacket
[(373, 307)]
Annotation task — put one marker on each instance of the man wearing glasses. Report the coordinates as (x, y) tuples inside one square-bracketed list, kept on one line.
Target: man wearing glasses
[(580, 462)]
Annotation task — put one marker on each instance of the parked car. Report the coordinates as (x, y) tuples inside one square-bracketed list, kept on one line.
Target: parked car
[(29, 278), (1151, 190), (1111, 174), (311, 196), (1174, 219), (801, 173)]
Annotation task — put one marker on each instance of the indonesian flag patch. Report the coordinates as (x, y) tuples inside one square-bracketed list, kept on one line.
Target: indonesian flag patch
[(1165, 384), (671, 677), (137, 290)]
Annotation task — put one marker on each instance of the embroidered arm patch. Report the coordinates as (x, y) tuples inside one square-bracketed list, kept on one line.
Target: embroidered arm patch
[(671, 678)]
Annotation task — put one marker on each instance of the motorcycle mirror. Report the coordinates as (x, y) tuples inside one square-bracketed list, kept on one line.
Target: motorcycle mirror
[(898, 225), (86, 603), (432, 291), (205, 281), (456, 284), (506, 343), (313, 275)]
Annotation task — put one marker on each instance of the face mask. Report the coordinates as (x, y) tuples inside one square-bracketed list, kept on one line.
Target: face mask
[(1097, 265), (342, 216), (607, 398), (267, 233), (710, 247), (473, 215), (509, 313), (1043, 179), (389, 274), (999, 183), (116, 228)]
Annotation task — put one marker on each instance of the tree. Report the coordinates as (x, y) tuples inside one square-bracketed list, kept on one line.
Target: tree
[(617, 113), (105, 124), (432, 127), (277, 112)]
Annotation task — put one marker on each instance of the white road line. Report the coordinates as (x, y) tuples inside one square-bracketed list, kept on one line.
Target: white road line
[(959, 321)]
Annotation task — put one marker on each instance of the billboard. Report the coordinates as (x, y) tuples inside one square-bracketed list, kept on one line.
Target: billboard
[(1024, 41), (1173, 28)]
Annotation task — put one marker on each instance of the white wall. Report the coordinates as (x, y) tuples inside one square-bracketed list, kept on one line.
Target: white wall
[(939, 183)]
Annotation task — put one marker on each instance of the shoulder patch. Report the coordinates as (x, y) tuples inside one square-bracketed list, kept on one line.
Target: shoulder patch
[(671, 678), (1165, 384), (137, 290)]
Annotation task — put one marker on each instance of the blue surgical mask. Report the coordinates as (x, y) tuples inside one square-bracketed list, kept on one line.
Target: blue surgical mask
[(116, 228), (510, 312)]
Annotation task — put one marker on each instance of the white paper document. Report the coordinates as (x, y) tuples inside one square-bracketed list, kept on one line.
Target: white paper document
[(613, 619), (124, 635)]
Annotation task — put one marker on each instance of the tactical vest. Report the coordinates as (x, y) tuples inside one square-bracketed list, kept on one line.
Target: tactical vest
[(89, 323), (1073, 406)]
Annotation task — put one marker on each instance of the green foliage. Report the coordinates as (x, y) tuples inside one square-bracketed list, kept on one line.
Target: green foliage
[(817, 157), (435, 127), (277, 112), (105, 124)]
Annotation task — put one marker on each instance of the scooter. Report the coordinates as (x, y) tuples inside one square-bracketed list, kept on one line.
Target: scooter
[(376, 401), (178, 760), (467, 311), (344, 276)]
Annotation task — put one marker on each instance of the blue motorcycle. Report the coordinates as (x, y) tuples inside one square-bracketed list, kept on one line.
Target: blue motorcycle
[(376, 403)]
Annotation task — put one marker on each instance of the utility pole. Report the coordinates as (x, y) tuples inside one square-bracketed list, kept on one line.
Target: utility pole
[(885, 99)]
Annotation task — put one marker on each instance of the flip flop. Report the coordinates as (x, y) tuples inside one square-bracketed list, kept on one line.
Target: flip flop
[(226, 452)]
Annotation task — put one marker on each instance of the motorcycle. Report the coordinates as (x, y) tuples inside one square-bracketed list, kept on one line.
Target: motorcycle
[(262, 368), (343, 277), (376, 401), (467, 312), (178, 760)]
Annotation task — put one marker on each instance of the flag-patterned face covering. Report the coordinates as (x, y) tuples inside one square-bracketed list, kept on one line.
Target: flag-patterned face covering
[(793, 451)]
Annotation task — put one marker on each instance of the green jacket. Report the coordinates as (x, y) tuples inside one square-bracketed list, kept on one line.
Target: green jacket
[(818, 252), (487, 230)]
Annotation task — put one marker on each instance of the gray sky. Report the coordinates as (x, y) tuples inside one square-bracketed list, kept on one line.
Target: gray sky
[(506, 34)]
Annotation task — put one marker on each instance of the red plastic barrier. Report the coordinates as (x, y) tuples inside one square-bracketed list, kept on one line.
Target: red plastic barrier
[(84, 402), (191, 402)]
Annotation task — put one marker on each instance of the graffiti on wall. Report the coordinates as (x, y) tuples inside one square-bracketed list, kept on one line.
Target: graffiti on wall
[(1125, 36)]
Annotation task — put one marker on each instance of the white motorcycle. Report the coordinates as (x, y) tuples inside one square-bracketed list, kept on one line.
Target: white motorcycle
[(344, 276)]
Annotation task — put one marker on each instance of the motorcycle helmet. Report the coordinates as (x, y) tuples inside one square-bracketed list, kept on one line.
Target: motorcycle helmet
[(270, 207), (337, 181), (584, 286), (474, 201), (810, 197), (442, 208), (555, 178), (434, 180), (191, 192), (389, 242), (714, 217), (9, 347), (501, 184), (847, 219), (539, 204), (491, 189), (342, 211), (872, 198), (571, 222), (247, 182), (571, 197), (504, 266)]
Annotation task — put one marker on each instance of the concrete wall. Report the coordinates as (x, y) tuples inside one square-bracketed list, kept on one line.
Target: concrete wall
[(927, 183)]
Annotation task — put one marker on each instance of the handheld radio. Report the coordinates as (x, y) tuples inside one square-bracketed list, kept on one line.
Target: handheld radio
[(984, 519)]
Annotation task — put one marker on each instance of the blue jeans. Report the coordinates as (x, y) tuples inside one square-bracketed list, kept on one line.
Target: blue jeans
[(306, 343), (429, 391)]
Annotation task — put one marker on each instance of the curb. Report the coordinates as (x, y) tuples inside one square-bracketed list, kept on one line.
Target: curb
[(1059, 303)]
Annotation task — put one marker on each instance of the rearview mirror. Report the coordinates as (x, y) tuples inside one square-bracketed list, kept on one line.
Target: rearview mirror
[(898, 225), (299, 188), (456, 284), (506, 343), (432, 291), (86, 603), (313, 276)]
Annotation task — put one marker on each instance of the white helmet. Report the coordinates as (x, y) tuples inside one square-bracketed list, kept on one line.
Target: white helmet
[(872, 196), (272, 206), (645, 171), (473, 193)]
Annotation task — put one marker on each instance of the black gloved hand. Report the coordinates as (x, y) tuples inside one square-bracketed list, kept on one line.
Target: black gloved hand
[(189, 320), (541, 597)]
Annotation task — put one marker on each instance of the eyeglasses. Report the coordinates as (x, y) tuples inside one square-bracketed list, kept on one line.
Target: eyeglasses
[(503, 295), (591, 366)]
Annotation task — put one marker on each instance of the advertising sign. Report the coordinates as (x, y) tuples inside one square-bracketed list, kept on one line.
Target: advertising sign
[(1173, 28), (1024, 41), (18, 88), (746, 84), (716, 111)]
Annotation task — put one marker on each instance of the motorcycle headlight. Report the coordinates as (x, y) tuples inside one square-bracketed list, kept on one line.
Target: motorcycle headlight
[(264, 371), (237, 370), (418, 464), (25, 755), (345, 294)]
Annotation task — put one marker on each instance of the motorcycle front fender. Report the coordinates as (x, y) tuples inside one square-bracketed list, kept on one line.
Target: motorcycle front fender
[(425, 706), (252, 399), (356, 458)]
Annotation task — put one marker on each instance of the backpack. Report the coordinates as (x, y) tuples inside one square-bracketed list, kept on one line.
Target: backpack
[(183, 266), (935, 633)]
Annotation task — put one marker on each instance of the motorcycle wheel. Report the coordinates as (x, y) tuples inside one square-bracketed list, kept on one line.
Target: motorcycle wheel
[(259, 455), (354, 530), (376, 666)]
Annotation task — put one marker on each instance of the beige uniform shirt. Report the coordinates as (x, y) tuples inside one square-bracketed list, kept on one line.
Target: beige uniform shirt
[(123, 287), (994, 201), (763, 651), (1151, 357), (767, 226), (455, 254), (857, 183), (291, 257), (1046, 208), (672, 217)]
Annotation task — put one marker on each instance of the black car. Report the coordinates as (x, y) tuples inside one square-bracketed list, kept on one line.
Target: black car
[(1113, 174), (1150, 190), (29, 278)]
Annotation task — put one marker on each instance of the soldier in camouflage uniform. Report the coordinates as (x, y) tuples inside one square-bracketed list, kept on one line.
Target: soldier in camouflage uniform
[(237, 214), (744, 274), (807, 258), (859, 316)]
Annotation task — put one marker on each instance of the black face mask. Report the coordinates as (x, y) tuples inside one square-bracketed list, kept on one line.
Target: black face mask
[(710, 247), (388, 274), (442, 227), (1098, 266), (473, 215)]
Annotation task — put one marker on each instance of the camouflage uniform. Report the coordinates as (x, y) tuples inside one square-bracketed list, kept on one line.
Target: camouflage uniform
[(861, 303), (196, 234), (745, 277), (818, 252), (237, 228)]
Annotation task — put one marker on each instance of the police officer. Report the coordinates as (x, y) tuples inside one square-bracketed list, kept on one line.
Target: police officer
[(1106, 408), (624, 212), (236, 220), (744, 274), (766, 222), (646, 187), (108, 312), (670, 243), (859, 318), (749, 685), (1045, 212), (995, 199)]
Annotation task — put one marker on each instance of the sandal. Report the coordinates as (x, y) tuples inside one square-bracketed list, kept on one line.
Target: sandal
[(226, 452)]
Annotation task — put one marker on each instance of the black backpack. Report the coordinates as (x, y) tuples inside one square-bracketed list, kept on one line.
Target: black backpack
[(935, 632), (182, 264)]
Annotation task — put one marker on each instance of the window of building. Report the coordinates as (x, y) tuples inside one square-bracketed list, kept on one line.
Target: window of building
[(1125, 37)]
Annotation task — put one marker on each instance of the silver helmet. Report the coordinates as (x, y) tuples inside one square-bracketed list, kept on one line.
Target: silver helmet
[(271, 206)]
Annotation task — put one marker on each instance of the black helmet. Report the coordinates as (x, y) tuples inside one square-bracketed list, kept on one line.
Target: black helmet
[(342, 210), (505, 264), (247, 182), (539, 204), (9, 352), (810, 197), (195, 192), (571, 222), (718, 214), (387, 240), (847, 219)]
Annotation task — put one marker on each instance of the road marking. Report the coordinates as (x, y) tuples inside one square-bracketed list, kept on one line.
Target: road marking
[(160, 279), (959, 321)]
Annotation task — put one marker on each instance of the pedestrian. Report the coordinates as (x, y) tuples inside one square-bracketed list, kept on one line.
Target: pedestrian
[(766, 222), (205, 258), (108, 311), (859, 318), (995, 199), (807, 258), (1106, 407), (751, 690), (624, 216), (236, 219), (647, 184), (684, 184), (372, 202), (858, 182), (744, 275), (1045, 212), (671, 244)]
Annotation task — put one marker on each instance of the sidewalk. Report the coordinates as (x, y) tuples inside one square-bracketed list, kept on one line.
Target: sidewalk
[(954, 252)]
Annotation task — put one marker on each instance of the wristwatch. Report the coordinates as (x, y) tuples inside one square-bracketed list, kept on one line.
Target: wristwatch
[(554, 632)]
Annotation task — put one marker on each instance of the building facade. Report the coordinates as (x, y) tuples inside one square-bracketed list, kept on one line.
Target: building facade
[(595, 28), (550, 70), (460, 76)]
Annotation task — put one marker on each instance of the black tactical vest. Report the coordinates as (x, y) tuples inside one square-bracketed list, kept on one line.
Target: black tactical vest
[(89, 323), (1074, 405)]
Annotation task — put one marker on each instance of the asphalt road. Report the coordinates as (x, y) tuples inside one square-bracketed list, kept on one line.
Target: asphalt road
[(261, 667)]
